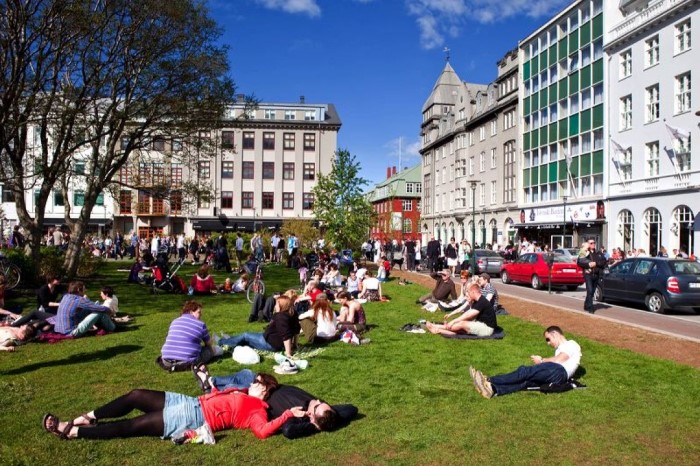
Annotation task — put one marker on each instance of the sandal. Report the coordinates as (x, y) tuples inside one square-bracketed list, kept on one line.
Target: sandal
[(91, 421), (51, 423), (201, 374)]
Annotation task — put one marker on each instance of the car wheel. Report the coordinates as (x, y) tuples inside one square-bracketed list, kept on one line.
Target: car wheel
[(572, 287), (536, 282), (505, 278), (598, 294), (655, 303)]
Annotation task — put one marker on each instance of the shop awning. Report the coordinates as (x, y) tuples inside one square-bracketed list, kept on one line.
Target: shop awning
[(234, 224), (60, 221), (554, 225)]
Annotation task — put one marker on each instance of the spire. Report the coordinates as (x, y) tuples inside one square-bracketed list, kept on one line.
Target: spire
[(446, 50)]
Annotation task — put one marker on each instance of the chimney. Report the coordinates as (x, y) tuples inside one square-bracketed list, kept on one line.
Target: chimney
[(302, 99), (388, 172), (393, 170)]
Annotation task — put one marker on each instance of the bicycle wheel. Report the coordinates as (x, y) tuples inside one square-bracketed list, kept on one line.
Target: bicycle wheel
[(12, 275), (255, 288)]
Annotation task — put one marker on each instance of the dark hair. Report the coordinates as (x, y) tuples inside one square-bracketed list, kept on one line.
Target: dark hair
[(555, 329), (30, 332), (190, 306), (108, 290), (328, 420), (269, 382), (203, 271), (344, 295), (76, 288), (50, 277)]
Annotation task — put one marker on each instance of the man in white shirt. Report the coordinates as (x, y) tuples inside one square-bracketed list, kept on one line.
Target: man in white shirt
[(553, 370), (274, 243)]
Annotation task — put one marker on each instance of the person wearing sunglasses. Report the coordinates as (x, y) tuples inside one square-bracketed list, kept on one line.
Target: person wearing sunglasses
[(555, 370)]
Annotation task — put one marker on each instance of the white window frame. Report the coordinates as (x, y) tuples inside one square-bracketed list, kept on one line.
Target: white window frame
[(626, 112), (651, 51), (683, 100), (482, 161), (494, 192), (651, 96), (683, 36), (625, 63), (494, 157), (270, 114), (407, 205), (652, 158)]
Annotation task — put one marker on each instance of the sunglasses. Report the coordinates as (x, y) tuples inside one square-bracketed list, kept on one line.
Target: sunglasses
[(547, 340)]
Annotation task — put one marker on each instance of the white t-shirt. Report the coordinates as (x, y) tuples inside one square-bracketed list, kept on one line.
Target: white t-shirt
[(571, 348), (113, 305), (371, 283)]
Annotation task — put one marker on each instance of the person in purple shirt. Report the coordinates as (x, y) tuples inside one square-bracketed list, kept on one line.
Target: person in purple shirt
[(76, 314), (183, 344)]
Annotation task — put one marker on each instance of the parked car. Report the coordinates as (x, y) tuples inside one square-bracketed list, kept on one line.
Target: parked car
[(532, 268), (488, 261), (661, 284), (570, 253)]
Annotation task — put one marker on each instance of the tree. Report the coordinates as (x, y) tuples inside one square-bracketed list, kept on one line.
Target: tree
[(340, 205), (99, 82), (304, 230)]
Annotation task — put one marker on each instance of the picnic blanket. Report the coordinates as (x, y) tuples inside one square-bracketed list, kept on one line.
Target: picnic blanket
[(497, 334), (53, 337)]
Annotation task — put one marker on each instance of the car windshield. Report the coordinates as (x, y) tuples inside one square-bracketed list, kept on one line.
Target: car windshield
[(685, 268), (562, 258)]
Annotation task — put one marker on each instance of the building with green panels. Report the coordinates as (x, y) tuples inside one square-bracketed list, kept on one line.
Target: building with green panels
[(563, 161)]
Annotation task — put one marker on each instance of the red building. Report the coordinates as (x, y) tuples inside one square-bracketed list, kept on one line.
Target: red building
[(397, 203)]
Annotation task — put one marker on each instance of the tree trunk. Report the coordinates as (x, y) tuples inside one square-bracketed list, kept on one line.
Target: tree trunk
[(75, 249)]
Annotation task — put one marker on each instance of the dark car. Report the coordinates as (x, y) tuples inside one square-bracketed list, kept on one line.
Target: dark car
[(533, 269), (488, 261), (661, 284)]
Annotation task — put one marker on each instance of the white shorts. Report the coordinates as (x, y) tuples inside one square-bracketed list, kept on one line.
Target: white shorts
[(480, 329), (452, 262)]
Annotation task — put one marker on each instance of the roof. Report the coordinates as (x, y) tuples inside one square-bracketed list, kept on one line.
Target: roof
[(395, 186), (446, 88)]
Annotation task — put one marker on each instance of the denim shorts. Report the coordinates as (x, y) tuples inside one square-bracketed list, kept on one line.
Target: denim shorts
[(181, 412)]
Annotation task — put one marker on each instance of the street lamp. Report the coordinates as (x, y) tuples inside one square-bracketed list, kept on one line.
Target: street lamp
[(473, 186), (563, 226), (483, 229)]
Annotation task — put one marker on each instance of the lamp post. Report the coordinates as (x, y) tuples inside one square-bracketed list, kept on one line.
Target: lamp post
[(473, 186), (563, 226), (483, 229)]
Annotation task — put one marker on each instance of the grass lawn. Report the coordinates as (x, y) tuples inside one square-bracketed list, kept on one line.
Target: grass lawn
[(416, 401)]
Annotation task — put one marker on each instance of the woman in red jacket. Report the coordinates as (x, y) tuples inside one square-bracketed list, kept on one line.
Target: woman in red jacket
[(202, 282), (167, 414)]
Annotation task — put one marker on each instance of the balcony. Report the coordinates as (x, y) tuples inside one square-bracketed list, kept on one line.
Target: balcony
[(638, 19)]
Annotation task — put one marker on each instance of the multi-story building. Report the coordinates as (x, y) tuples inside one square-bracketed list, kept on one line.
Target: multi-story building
[(397, 202), (469, 149), (562, 189), (260, 169), (654, 170)]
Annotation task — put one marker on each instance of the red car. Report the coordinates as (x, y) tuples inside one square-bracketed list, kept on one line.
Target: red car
[(532, 268)]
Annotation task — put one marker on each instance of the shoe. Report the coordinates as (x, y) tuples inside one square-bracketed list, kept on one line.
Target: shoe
[(486, 390), (365, 341), (472, 374), (287, 367), (201, 375)]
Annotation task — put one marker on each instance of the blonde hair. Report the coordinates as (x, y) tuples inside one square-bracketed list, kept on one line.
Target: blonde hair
[(284, 304), (291, 294)]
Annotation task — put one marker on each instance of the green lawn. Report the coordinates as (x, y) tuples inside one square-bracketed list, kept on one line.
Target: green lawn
[(417, 404)]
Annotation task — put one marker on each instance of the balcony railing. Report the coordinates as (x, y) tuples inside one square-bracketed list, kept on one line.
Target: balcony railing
[(639, 18)]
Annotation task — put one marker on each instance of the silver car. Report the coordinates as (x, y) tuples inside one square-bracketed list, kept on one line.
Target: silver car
[(570, 253), (488, 261)]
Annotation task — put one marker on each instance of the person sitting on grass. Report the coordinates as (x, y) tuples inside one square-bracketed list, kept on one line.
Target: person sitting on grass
[(352, 314), (240, 285), (47, 302), (12, 336), (280, 334), (488, 290), (444, 288), (188, 341), (319, 322), (352, 284), (556, 370), (77, 314), (167, 414), (202, 282), (371, 288), (319, 416), (479, 319)]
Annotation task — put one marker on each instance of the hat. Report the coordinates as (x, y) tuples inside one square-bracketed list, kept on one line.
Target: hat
[(446, 272), (245, 355)]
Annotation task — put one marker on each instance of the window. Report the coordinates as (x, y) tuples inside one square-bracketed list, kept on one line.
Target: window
[(287, 201), (310, 115), (682, 150), (158, 174), (508, 119), (227, 139), (288, 141), (202, 202), (482, 161), (309, 141), (227, 169), (290, 115), (227, 199), (78, 198), (598, 94), (288, 171), (407, 225), (268, 170), (247, 200), (248, 140), (625, 63), (683, 36), (471, 165), (651, 51), (493, 157), (585, 55), (683, 93), (203, 170), (268, 200), (482, 133), (493, 192), (482, 194), (308, 201), (58, 198), (79, 168), (268, 141), (309, 171), (176, 175), (493, 127), (270, 114), (626, 112), (652, 158), (125, 202), (407, 205), (652, 103), (409, 188), (444, 175), (248, 170), (626, 165), (159, 144), (176, 145), (124, 142)]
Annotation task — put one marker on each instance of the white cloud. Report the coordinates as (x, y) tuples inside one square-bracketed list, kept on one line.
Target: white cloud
[(309, 7), (407, 149), (438, 18)]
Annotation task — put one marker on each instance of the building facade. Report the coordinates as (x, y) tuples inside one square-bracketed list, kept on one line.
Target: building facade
[(654, 187), (563, 167), (397, 202)]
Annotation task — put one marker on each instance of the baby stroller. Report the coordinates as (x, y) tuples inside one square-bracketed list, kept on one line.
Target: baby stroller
[(312, 260), (168, 280)]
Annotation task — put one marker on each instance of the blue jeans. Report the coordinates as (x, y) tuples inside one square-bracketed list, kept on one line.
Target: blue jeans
[(241, 379), (254, 340), (99, 319), (529, 376), (591, 284)]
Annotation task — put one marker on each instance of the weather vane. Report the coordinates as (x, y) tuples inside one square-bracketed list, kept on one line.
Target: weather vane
[(447, 54)]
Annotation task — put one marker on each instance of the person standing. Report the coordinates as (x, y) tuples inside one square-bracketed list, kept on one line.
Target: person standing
[(274, 244), (592, 262), (433, 253), (409, 252), (451, 255), (239, 251)]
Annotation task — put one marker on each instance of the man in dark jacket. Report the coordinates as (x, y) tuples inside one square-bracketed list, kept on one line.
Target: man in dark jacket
[(433, 252), (593, 263), (444, 288)]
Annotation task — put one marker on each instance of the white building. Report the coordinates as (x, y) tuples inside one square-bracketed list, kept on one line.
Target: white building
[(654, 181)]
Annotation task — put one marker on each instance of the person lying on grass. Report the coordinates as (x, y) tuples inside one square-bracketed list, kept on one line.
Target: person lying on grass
[(554, 370), (11, 336), (319, 416), (279, 335), (166, 414), (479, 319)]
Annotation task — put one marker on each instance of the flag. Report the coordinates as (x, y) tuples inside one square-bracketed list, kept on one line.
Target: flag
[(617, 149), (568, 160), (677, 133)]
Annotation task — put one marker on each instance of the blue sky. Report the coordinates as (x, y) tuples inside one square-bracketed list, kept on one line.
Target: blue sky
[(376, 60)]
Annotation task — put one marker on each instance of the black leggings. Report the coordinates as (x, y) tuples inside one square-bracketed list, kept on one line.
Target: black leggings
[(32, 317), (149, 424)]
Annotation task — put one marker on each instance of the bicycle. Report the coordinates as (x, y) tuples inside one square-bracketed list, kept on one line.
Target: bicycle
[(11, 273), (256, 286)]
